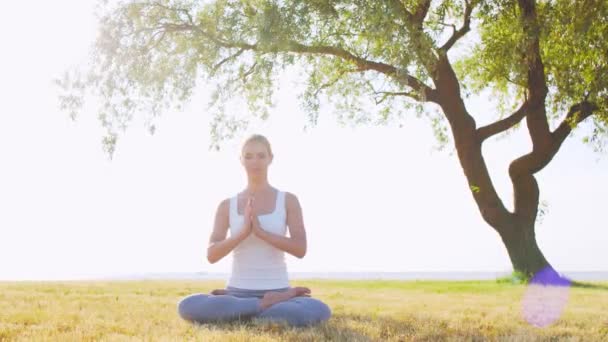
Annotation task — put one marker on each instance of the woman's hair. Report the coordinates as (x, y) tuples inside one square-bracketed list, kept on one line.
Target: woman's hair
[(258, 138)]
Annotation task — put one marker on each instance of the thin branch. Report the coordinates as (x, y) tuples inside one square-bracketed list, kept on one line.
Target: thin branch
[(249, 72), (333, 81), (454, 29), (243, 76), (175, 9), (427, 93), (149, 46), (502, 125), (341, 34), (466, 26), (386, 94), (233, 56), (362, 64), (216, 40)]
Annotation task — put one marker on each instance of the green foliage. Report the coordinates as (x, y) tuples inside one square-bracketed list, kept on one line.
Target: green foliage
[(574, 52), (150, 55), (543, 208), (516, 277)]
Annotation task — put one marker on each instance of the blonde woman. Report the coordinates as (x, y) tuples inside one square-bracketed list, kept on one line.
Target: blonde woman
[(257, 219)]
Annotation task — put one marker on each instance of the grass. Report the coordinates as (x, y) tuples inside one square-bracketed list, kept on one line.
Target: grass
[(362, 311)]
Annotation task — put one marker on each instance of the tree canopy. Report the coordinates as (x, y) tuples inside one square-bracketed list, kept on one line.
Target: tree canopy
[(150, 55), (546, 60)]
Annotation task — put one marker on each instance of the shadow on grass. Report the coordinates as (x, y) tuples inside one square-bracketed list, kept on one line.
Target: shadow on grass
[(336, 329), (551, 278), (349, 327), (372, 327), (583, 285)]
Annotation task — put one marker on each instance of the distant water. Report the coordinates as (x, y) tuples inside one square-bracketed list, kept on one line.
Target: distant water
[(574, 275)]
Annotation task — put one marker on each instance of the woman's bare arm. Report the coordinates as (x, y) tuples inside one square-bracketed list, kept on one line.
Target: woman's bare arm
[(219, 245), (295, 244)]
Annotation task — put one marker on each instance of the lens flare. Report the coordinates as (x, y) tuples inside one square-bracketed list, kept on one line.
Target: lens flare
[(545, 298)]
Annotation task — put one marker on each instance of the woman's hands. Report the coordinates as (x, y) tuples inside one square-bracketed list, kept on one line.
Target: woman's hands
[(251, 224), (256, 228), (247, 214)]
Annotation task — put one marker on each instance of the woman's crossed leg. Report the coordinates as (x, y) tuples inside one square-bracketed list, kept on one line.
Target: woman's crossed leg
[(292, 306)]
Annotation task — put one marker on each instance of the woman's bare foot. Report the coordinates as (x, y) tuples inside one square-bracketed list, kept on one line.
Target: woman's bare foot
[(273, 297), (302, 291), (219, 292)]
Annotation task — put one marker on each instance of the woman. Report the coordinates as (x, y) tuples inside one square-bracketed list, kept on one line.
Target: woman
[(258, 285)]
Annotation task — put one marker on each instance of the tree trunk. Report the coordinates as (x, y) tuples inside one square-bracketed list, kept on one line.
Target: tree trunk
[(520, 241), (516, 229)]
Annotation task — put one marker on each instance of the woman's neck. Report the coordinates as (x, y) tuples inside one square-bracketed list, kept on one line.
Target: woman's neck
[(256, 186)]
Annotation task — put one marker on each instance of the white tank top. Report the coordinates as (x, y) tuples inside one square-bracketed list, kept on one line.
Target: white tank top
[(256, 264)]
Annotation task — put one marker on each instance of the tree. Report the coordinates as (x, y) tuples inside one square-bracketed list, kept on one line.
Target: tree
[(547, 57)]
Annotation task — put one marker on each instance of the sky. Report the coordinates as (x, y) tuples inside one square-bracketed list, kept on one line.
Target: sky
[(374, 198)]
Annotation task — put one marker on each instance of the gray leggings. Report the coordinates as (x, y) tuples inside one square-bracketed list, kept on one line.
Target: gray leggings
[(242, 304)]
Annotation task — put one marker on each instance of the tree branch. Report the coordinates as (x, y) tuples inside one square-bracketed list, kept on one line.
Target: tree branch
[(427, 93), (413, 23), (405, 13), (538, 125), (539, 158), (417, 17), (502, 125), (522, 169), (466, 26), (421, 11), (576, 115)]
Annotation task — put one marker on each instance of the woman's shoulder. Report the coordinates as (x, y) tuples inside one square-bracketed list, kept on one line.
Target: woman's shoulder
[(225, 203), (290, 198)]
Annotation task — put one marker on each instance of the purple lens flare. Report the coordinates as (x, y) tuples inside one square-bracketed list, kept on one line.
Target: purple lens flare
[(545, 298)]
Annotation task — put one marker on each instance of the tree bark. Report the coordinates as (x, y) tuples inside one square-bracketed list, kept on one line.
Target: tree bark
[(520, 241), (468, 146), (516, 229)]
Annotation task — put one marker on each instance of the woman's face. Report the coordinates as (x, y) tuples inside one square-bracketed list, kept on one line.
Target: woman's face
[(255, 158)]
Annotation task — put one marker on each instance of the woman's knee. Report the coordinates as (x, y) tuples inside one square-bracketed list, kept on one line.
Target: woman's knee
[(299, 311), (190, 306), (205, 308), (321, 311)]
